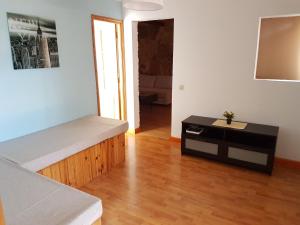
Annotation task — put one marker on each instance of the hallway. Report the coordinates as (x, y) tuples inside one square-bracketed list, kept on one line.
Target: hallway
[(155, 121)]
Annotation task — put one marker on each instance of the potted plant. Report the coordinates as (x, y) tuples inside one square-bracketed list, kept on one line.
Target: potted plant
[(229, 116)]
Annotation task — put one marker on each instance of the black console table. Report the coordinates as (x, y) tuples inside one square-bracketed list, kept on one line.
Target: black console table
[(253, 147)]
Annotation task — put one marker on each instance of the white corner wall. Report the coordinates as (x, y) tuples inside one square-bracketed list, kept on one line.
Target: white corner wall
[(214, 58), (132, 82)]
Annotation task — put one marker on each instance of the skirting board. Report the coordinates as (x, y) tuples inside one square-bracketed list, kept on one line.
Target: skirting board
[(2, 220), (83, 167), (175, 139), (98, 222), (134, 131), (278, 161), (287, 163)]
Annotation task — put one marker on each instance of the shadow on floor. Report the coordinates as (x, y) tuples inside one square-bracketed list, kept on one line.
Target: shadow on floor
[(156, 121)]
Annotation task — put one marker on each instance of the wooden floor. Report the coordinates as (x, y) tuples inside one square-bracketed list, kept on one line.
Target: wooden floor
[(156, 121), (158, 186)]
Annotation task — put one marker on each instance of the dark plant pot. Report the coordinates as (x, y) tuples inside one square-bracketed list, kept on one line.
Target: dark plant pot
[(229, 121)]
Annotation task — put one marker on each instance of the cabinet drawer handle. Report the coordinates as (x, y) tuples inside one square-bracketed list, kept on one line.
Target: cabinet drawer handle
[(194, 132)]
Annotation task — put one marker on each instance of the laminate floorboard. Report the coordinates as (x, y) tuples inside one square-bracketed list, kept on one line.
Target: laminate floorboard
[(158, 186), (155, 121)]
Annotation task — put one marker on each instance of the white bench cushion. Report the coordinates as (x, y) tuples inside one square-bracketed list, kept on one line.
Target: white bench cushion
[(30, 199), (41, 149)]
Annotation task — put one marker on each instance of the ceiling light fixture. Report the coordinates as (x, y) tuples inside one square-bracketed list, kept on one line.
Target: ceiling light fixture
[(143, 5)]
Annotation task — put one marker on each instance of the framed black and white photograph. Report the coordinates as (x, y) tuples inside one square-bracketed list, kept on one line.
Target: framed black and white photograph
[(33, 42)]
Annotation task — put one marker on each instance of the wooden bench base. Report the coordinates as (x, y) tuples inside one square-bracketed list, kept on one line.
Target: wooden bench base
[(83, 167)]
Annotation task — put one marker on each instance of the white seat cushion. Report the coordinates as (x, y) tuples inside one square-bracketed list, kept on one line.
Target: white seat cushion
[(31, 199), (44, 148)]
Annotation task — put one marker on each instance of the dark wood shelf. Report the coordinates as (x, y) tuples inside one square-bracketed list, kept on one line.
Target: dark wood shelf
[(251, 127), (250, 147), (202, 138), (253, 147)]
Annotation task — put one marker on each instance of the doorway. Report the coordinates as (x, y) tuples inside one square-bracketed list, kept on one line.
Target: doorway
[(155, 53), (108, 47)]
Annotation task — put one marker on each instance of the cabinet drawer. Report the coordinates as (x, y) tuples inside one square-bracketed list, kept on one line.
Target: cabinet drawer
[(201, 146), (248, 156)]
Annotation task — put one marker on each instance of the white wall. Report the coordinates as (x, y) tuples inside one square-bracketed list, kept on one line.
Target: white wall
[(32, 100), (214, 58), (132, 89)]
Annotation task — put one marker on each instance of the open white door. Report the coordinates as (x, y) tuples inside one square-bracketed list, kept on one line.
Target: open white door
[(109, 68)]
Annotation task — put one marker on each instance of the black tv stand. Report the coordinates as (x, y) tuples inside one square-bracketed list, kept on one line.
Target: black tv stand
[(253, 147)]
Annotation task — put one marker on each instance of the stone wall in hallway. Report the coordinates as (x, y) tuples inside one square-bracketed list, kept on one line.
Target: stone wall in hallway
[(156, 47)]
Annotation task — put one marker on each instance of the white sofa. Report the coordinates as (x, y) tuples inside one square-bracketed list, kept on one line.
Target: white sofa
[(160, 85)]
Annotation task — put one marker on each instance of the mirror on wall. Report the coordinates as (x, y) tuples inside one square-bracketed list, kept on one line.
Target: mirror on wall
[(278, 53)]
